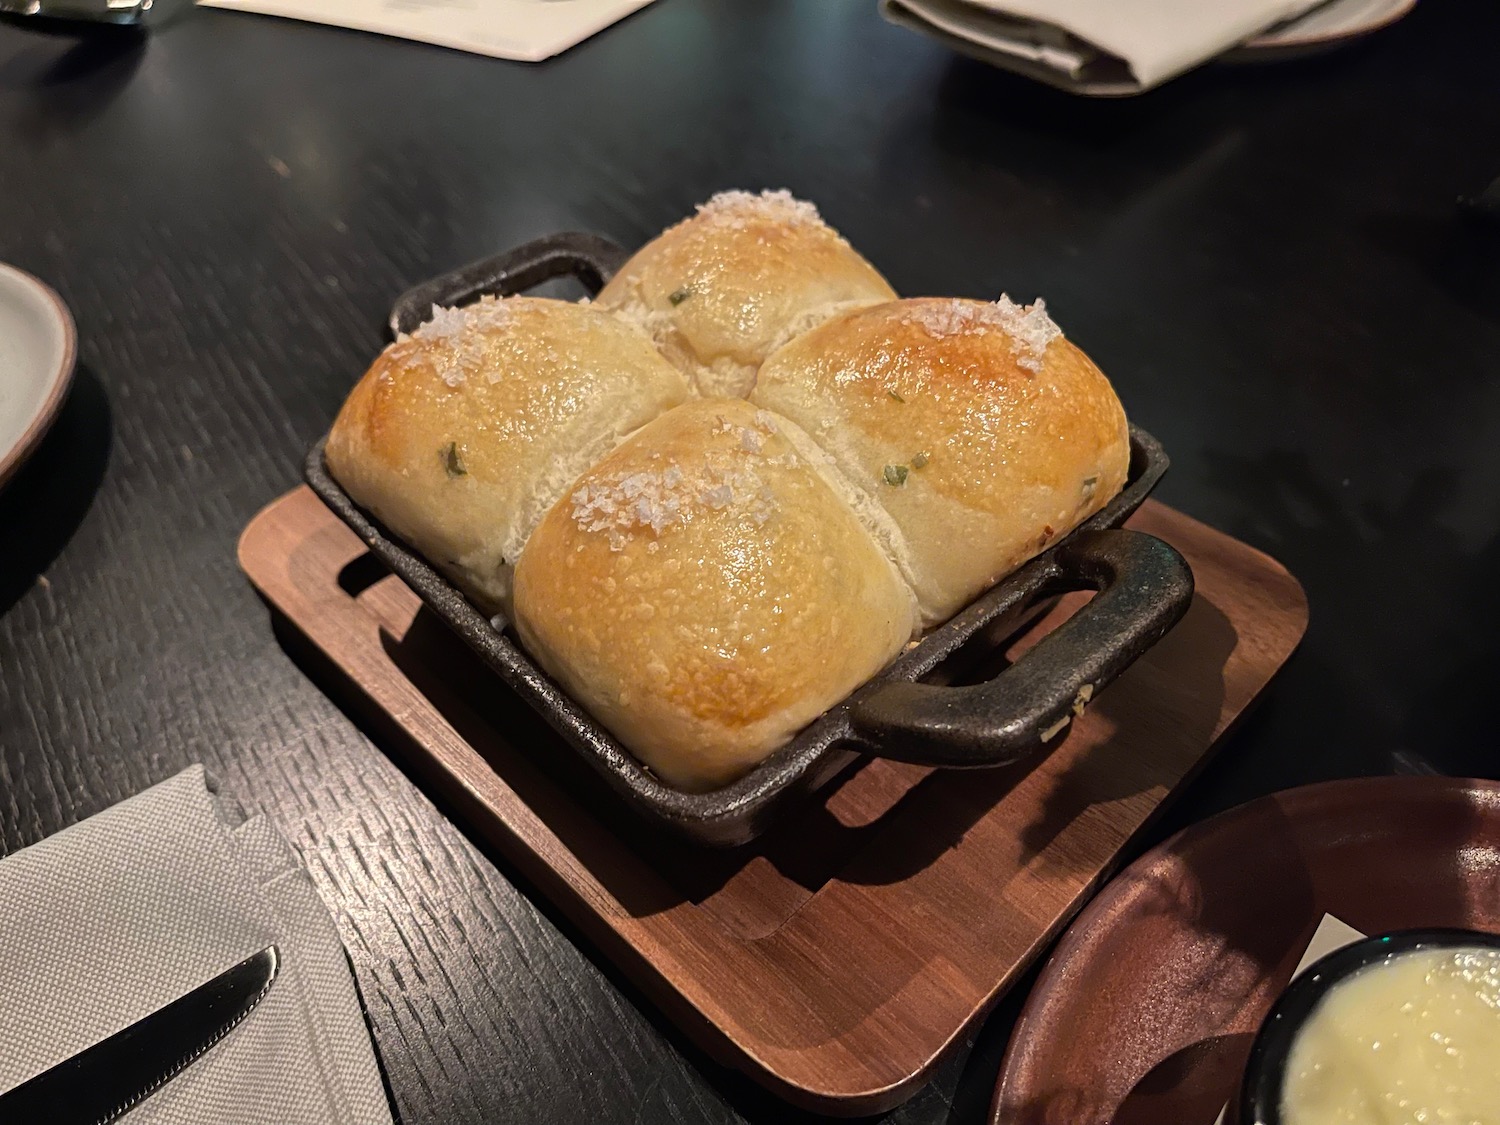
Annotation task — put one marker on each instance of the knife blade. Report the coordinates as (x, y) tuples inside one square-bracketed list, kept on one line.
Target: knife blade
[(101, 1083)]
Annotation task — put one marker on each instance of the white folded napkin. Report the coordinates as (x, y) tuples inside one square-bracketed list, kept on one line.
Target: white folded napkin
[(115, 917), (1101, 47), (526, 30)]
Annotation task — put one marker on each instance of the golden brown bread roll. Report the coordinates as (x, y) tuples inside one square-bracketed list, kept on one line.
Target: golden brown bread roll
[(982, 431), (706, 591), (464, 433), (721, 290)]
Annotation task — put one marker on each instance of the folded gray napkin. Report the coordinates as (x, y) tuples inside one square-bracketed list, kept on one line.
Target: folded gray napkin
[(113, 918)]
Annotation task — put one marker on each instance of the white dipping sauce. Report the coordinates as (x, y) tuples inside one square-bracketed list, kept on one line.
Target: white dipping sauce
[(1412, 1040)]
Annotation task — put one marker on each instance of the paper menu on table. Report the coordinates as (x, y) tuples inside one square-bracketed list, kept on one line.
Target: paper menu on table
[(525, 30), (1331, 934)]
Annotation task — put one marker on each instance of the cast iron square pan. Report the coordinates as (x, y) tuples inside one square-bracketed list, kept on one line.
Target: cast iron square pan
[(1144, 589)]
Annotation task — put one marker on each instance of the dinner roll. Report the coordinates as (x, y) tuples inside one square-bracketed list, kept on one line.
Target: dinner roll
[(982, 431), (464, 433), (720, 291), (707, 590)]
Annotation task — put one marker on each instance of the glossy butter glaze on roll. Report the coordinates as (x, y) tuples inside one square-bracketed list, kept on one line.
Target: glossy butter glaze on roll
[(721, 290), (983, 432), (708, 589), (463, 434)]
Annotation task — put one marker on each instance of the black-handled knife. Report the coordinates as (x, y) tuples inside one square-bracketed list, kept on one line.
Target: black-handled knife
[(101, 1083)]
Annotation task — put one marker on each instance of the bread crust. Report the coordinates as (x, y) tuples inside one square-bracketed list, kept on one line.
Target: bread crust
[(720, 291), (460, 436), (983, 432), (705, 592)]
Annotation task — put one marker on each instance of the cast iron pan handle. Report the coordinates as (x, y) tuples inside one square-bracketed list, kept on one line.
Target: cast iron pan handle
[(587, 257), (1144, 588)]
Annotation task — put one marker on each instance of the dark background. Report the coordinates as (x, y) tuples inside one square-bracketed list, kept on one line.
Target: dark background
[(1267, 260)]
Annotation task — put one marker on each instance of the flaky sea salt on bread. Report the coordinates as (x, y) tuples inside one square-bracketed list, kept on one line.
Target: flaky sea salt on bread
[(982, 432), (463, 434), (721, 290), (709, 588)]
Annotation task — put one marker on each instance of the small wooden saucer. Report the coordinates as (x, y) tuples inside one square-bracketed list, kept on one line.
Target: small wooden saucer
[(1146, 1011)]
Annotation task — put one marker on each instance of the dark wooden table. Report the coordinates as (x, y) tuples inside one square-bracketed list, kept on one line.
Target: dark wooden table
[(1267, 260)]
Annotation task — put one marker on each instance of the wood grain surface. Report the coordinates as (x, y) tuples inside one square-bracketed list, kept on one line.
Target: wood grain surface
[(1267, 261), (837, 958)]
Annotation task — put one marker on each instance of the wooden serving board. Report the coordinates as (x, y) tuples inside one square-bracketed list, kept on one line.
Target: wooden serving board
[(836, 959)]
